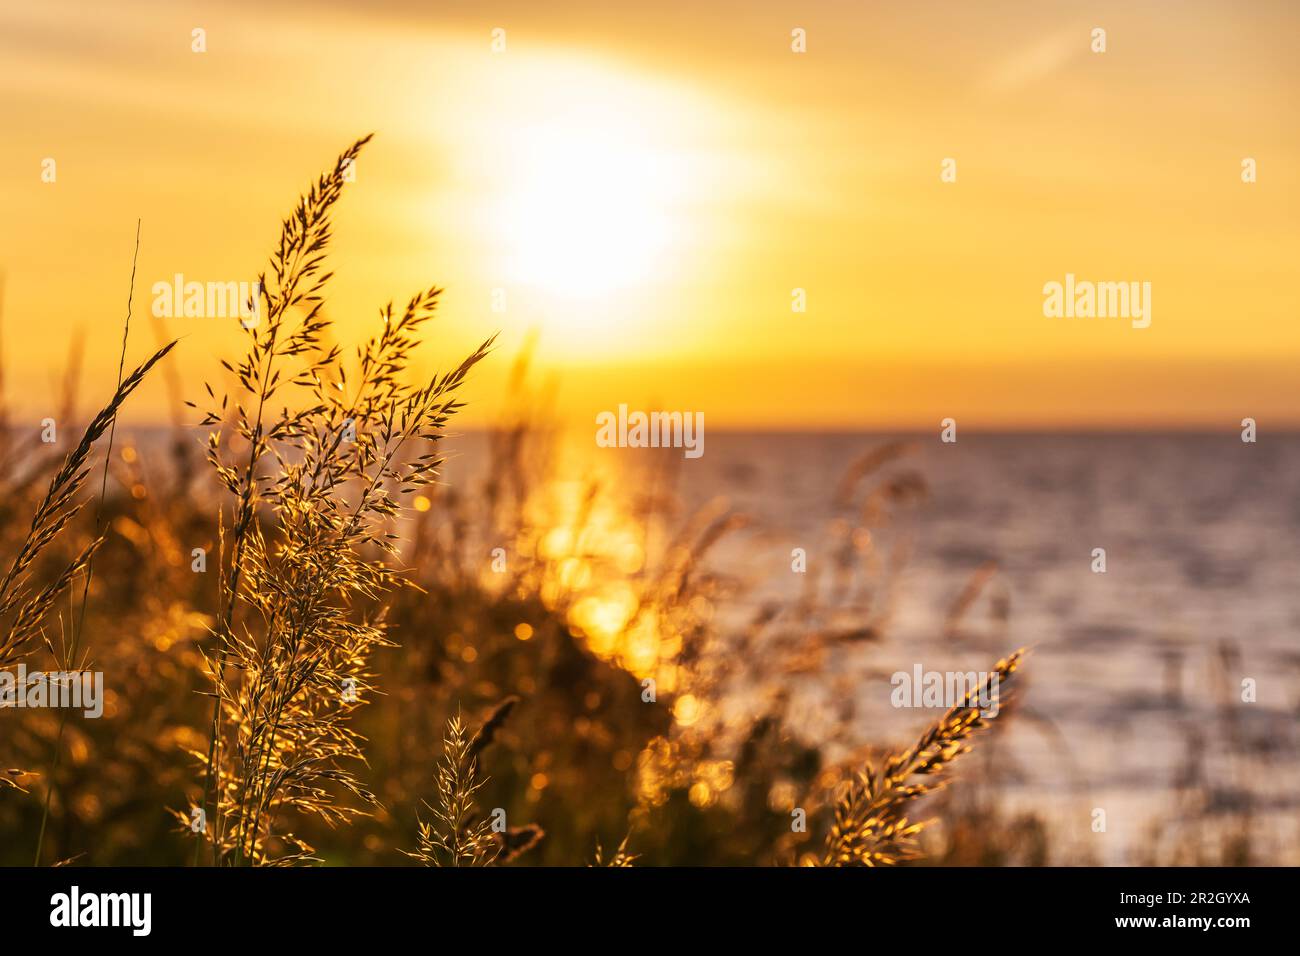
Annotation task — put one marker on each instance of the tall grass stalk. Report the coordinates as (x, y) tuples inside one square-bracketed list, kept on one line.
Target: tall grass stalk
[(79, 628), (314, 499), (871, 826)]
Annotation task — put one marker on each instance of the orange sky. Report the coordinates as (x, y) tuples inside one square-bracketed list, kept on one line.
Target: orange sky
[(648, 187)]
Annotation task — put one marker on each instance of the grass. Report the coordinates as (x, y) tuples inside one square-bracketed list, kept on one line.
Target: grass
[(377, 667), (457, 835), (310, 539), (871, 826), (25, 603)]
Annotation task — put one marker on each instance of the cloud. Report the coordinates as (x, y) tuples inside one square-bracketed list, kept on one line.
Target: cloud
[(1043, 58)]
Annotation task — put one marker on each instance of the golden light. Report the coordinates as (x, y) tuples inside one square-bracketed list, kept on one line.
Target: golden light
[(687, 709), (589, 184), (603, 616), (589, 211)]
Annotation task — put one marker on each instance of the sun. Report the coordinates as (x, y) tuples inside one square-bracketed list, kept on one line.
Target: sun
[(593, 194), (595, 175), (589, 212)]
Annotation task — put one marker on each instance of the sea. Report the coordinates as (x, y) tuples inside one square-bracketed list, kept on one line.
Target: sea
[(1163, 690), (1160, 700)]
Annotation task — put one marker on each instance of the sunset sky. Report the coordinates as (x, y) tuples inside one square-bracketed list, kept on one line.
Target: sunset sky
[(649, 186)]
